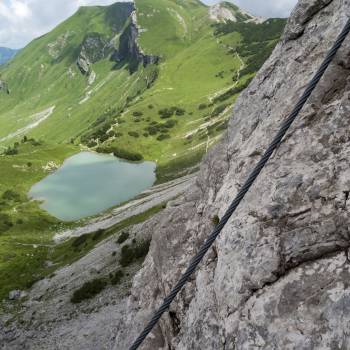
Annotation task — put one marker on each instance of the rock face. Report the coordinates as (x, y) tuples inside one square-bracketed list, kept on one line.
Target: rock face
[(129, 50), (278, 276), (227, 12), (93, 49)]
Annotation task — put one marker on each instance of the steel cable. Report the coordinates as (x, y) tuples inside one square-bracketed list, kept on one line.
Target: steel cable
[(245, 188)]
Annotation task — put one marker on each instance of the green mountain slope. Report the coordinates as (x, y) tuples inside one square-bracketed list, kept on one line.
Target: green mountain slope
[(109, 69), (156, 78)]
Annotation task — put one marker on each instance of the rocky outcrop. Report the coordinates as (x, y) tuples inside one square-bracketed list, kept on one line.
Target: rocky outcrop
[(93, 49), (129, 49), (227, 12), (4, 87)]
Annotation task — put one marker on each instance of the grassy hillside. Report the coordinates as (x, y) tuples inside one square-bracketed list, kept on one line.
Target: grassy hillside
[(166, 111)]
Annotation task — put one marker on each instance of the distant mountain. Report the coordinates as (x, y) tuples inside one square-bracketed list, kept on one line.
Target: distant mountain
[(6, 54)]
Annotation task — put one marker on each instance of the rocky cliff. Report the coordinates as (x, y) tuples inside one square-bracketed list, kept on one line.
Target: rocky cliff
[(278, 276), (129, 49)]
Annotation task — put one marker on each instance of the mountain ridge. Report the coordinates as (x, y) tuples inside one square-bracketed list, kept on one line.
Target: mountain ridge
[(6, 54)]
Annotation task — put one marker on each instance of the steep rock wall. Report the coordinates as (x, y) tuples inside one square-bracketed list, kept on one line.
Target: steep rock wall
[(278, 276), (129, 49)]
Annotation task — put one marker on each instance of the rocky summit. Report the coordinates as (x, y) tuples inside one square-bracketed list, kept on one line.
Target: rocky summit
[(277, 276)]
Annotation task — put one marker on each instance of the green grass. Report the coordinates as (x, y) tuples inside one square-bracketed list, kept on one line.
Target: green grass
[(25, 249), (21, 263)]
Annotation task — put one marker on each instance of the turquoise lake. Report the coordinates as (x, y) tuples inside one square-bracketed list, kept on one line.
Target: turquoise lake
[(89, 183)]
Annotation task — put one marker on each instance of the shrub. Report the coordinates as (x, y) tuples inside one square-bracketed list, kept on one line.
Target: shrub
[(80, 240), (202, 106), (104, 138), (134, 134), (162, 137), (222, 126), (137, 114), (170, 124), (98, 234), (166, 113), (88, 290), (11, 195), (180, 111), (117, 277), (92, 144), (215, 220), (5, 222), (131, 254), (35, 142), (233, 91), (121, 153), (150, 106), (169, 112), (218, 110), (11, 151), (123, 237), (152, 130)]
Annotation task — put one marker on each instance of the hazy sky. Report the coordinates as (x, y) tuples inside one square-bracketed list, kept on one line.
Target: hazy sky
[(23, 20)]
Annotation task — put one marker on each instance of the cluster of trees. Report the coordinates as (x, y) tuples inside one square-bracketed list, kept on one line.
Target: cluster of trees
[(259, 39), (13, 150), (120, 153), (169, 112), (163, 128), (253, 32)]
